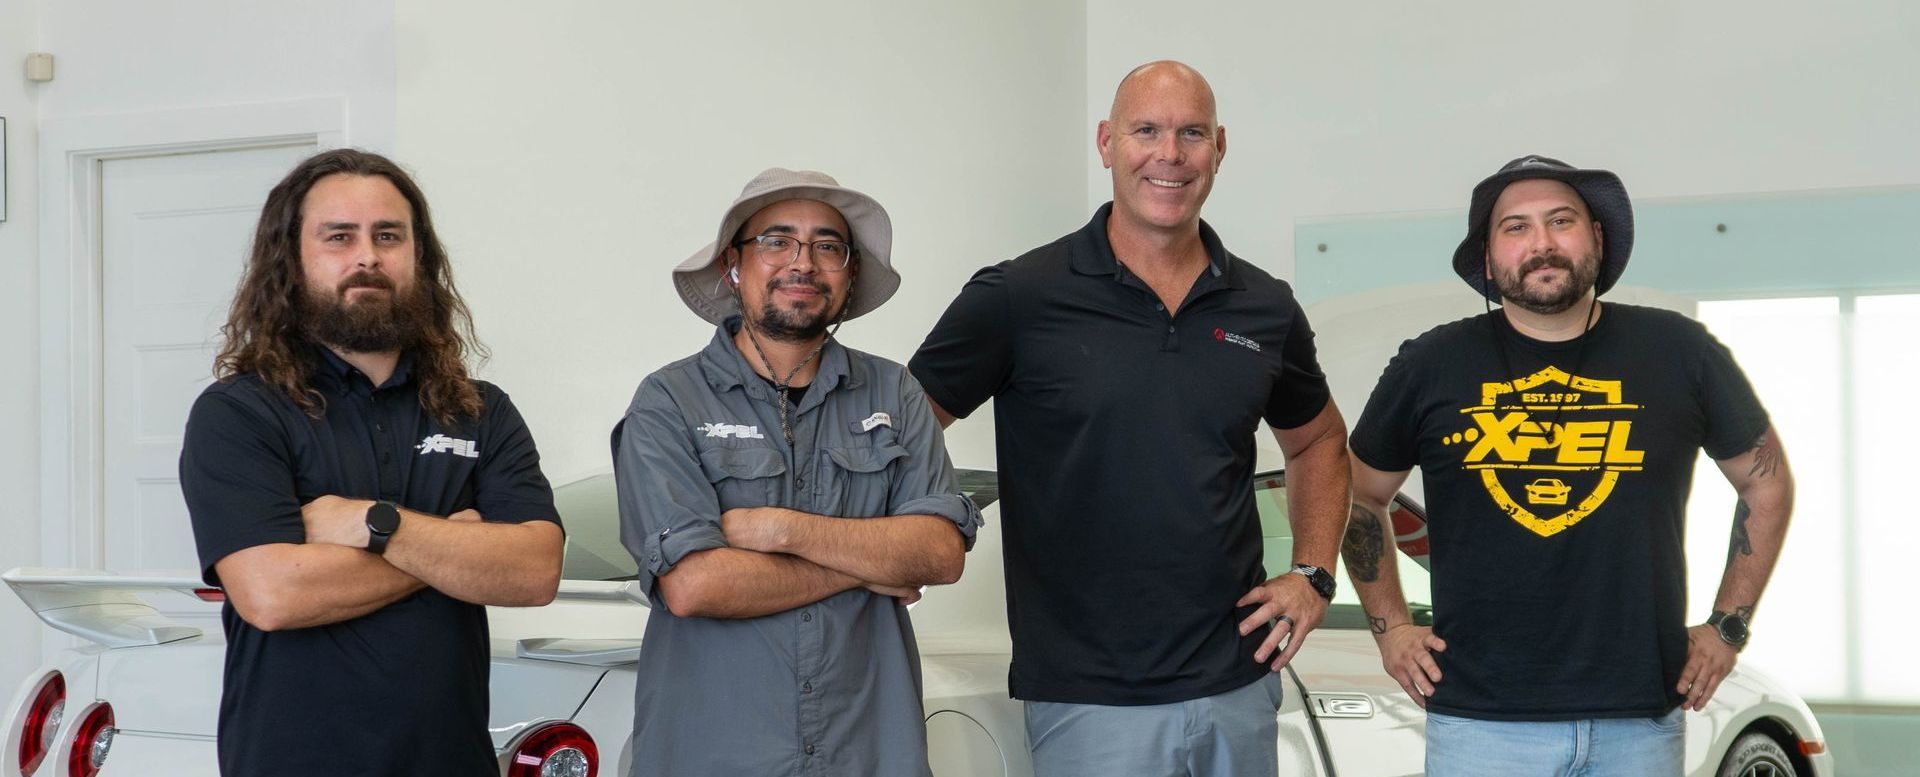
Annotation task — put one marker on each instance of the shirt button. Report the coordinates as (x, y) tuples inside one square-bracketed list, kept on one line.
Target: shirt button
[(809, 749), (806, 687), (1169, 330), (1159, 306), (806, 615), (379, 427)]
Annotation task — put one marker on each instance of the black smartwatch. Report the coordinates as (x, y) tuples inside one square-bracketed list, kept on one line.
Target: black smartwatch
[(1733, 629), (383, 519), (1320, 579)]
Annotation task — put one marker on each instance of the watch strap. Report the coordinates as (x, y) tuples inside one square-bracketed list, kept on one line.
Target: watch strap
[(1318, 577)]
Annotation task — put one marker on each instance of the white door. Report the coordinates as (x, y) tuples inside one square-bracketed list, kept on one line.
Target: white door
[(174, 235)]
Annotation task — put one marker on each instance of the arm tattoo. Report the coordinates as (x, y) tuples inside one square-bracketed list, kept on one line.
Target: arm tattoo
[(1362, 546), (1766, 455), (1741, 544), (1379, 625)]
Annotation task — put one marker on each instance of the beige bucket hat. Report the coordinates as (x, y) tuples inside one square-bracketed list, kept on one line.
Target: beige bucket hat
[(698, 278)]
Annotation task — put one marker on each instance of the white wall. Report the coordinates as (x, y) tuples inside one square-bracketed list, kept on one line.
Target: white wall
[(574, 152), (135, 57), (19, 327), (132, 56), (1354, 108)]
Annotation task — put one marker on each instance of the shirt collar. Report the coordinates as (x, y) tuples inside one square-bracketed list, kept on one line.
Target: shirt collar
[(335, 373), (726, 367), (1092, 253)]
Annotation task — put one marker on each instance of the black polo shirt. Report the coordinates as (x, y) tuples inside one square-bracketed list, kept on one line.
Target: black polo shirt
[(403, 690), (1126, 455)]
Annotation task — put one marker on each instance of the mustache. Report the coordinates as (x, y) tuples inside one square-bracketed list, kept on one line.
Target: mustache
[(797, 280), (1555, 260), (365, 279)]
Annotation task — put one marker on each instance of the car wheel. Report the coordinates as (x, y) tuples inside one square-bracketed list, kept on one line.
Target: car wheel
[(1756, 755)]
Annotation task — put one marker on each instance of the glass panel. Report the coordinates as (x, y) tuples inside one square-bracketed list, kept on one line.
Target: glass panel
[(590, 510), (1270, 497), (1790, 351), (1884, 371)]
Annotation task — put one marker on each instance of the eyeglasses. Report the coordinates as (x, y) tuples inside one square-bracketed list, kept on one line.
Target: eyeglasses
[(782, 250)]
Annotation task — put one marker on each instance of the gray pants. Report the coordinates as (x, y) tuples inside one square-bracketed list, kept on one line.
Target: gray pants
[(1232, 734)]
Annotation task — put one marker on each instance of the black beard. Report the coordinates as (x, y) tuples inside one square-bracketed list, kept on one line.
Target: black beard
[(375, 325), (1581, 276), (794, 326)]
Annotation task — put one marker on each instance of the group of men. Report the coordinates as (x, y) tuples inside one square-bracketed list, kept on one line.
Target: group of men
[(360, 496)]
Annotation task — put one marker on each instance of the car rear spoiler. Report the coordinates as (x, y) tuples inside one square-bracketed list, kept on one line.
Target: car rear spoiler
[(106, 607), (602, 591)]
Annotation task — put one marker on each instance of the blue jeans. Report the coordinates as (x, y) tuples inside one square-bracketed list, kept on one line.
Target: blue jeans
[(1231, 734), (1627, 747)]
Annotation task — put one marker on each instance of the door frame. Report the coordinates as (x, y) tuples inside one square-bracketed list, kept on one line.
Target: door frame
[(72, 454)]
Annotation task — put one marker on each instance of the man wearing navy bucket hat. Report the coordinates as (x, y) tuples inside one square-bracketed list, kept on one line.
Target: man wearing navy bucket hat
[(785, 498), (1556, 438)]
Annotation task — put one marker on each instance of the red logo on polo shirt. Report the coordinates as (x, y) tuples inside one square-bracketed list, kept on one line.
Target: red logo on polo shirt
[(1229, 337)]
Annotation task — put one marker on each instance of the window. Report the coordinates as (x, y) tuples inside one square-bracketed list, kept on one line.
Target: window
[(1830, 370)]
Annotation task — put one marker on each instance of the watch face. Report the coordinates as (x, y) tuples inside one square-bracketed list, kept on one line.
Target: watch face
[(382, 518), (1733, 630)]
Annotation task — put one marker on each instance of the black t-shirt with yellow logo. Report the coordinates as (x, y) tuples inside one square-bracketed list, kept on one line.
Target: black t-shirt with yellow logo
[(1556, 487)]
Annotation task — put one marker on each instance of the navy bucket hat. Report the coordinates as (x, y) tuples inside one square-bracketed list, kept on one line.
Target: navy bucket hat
[(1606, 200)]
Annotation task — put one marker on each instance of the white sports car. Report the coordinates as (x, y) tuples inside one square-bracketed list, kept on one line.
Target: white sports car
[(140, 696)]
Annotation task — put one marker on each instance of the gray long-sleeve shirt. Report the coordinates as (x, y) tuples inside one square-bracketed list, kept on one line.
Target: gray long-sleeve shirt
[(831, 688)]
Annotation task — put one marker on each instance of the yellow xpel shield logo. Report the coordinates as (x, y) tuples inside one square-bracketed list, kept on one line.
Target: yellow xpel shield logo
[(1545, 437)]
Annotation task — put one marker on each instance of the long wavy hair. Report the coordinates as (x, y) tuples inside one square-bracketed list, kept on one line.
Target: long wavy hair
[(264, 333)]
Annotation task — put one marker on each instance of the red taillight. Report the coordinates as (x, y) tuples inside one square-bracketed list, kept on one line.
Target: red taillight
[(555, 750), (42, 721), (210, 594), (87, 752)]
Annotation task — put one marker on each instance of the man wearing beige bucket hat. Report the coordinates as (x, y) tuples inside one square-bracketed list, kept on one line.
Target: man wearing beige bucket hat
[(785, 497)]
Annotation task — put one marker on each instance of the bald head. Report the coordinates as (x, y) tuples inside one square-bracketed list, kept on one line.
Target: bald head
[(1164, 77), (1163, 142)]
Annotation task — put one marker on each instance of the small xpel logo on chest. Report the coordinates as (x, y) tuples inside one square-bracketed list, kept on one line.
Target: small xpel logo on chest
[(440, 443)]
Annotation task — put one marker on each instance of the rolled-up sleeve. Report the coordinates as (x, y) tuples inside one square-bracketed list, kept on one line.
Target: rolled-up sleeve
[(668, 507), (925, 484)]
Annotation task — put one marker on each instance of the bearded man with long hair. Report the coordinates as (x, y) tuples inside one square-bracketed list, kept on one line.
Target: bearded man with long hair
[(357, 494)]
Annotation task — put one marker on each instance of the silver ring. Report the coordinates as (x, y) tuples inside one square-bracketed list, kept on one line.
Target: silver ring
[(1290, 623)]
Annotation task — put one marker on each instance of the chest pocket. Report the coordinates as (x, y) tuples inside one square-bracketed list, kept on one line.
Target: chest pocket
[(744, 477), (854, 481)]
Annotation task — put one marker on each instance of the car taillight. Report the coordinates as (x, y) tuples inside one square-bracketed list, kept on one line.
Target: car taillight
[(210, 594), (91, 741), (555, 750), (42, 721)]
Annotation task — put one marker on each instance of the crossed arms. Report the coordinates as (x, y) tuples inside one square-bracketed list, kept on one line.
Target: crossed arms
[(759, 560), (332, 578), (778, 559)]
